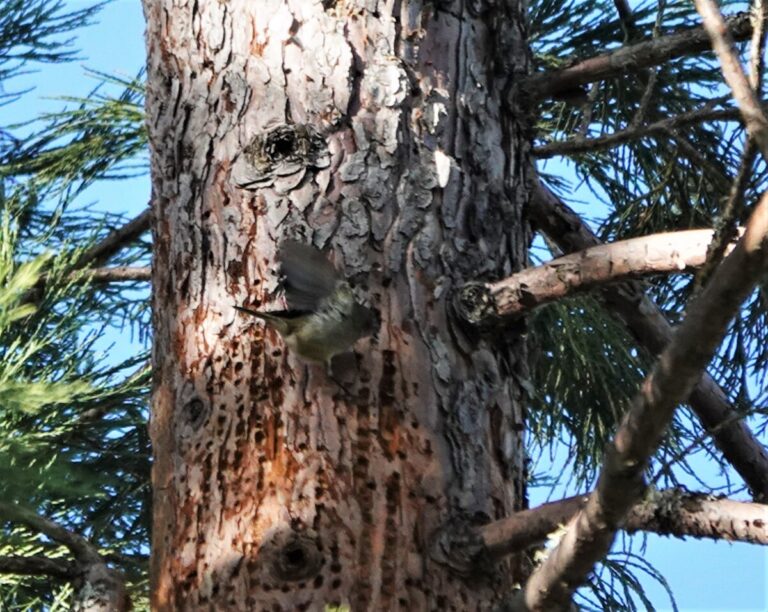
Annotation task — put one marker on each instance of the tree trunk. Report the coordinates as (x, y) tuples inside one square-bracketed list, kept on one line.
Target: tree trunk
[(388, 134)]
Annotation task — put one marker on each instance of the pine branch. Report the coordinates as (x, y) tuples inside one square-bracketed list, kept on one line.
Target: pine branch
[(670, 512), (621, 483), (85, 552), (116, 240), (631, 57), (658, 128), (115, 274), (99, 587), (626, 16), (726, 225), (733, 207), (722, 42), (38, 566), (666, 253), (651, 330)]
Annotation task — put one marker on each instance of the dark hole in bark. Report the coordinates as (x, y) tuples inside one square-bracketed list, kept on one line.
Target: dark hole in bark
[(196, 412), (283, 145), (294, 556)]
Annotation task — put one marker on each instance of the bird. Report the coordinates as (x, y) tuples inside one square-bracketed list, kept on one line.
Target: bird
[(324, 317)]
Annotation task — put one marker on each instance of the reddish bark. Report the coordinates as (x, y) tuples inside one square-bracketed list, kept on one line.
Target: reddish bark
[(379, 136)]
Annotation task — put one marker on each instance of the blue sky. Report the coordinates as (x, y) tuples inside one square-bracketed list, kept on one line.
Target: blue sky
[(704, 576)]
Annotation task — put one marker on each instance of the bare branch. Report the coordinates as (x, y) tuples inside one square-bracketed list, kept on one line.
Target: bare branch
[(758, 18), (82, 549), (38, 566), (110, 245), (732, 210), (733, 73), (670, 252), (98, 587), (626, 17), (658, 128), (685, 514), (116, 240), (726, 226), (651, 330), (115, 274), (631, 57), (621, 483), (670, 512)]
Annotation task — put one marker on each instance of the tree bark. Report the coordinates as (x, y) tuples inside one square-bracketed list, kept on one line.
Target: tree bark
[(389, 138)]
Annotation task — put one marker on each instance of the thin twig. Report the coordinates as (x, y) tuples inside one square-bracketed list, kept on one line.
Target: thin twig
[(712, 173), (733, 73), (662, 127), (650, 87), (726, 225), (732, 210), (626, 17), (114, 274)]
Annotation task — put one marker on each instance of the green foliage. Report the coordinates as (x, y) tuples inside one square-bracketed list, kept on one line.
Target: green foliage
[(72, 432), (651, 184), (30, 31), (103, 137), (585, 367), (585, 374), (73, 439), (73, 442), (617, 585)]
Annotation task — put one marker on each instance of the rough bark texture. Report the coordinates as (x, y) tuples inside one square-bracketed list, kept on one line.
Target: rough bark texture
[(381, 132)]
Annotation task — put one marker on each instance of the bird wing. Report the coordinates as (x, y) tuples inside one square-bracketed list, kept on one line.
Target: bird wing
[(308, 277)]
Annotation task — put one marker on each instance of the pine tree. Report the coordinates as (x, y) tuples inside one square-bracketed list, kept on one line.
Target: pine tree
[(398, 143)]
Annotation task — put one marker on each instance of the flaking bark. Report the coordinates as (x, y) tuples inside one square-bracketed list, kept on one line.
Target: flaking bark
[(387, 139)]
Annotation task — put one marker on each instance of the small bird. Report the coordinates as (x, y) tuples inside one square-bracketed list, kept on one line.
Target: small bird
[(323, 317)]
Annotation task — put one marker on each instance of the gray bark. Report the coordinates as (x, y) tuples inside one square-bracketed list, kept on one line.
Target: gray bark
[(384, 134)]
